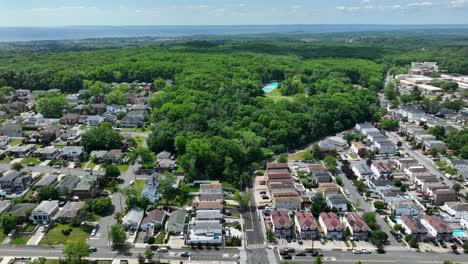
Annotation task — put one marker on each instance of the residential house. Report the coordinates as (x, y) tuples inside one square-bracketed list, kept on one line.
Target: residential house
[(404, 163), (134, 118), (12, 130), (459, 164), (415, 171), (176, 222), (361, 170), (95, 120), (37, 120), (305, 225), (69, 211), (44, 212), (47, 153), (362, 126), (115, 109), (71, 136), (22, 210), (358, 227), (211, 188), (318, 174), (338, 202), (437, 228), (67, 184), (328, 188), (456, 211), (442, 196), (388, 195), (381, 169), (405, 207), (358, 148), (210, 197), (165, 165), (203, 205), (46, 180), (73, 153), (73, 99), (114, 155), (14, 181), (412, 226), (18, 106), (87, 188), (281, 224), (98, 109), (205, 232), (385, 148), (69, 119), (98, 155), (421, 138), (289, 203), (150, 190), (380, 184), (205, 215), (22, 151), (133, 218), (331, 225), (79, 109), (111, 119), (153, 219), (163, 155), (434, 144), (4, 140)]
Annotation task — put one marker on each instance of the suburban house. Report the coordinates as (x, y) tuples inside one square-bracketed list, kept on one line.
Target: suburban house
[(153, 219), (133, 218), (95, 120), (22, 210), (361, 170), (134, 118), (176, 222), (22, 151), (306, 225), (205, 232), (69, 119), (150, 190), (14, 181), (115, 109), (87, 188), (98, 109), (338, 202), (46, 180), (288, 202), (381, 169), (114, 155), (437, 228), (403, 163), (211, 188), (47, 153), (98, 155), (412, 226), (331, 225), (203, 205), (405, 207), (456, 211), (281, 224), (442, 196), (205, 215), (415, 171), (318, 174), (165, 165), (67, 184), (386, 147), (43, 214), (358, 148), (12, 130), (434, 144), (69, 211), (328, 188), (358, 227), (210, 197), (73, 153), (71, 136)]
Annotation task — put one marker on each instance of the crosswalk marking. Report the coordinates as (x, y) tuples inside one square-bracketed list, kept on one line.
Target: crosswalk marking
[(255, 246)]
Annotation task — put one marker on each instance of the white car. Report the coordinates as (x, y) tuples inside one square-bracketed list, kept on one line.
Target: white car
[(365, 251), (357, 251), (347, 192), (56, 172)]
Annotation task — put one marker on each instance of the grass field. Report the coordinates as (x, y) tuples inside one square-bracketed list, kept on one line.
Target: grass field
[(123, 167), (228, 186), (139, 184), (160, 238), (28, 160), (15, 142), (297, 156), (139, 140), (55, 236), (19, 240), (6, 159), (276, 95)]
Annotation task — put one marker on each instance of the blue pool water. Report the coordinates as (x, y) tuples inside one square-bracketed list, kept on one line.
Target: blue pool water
[(270, 87), (216, 238), (459, 233)]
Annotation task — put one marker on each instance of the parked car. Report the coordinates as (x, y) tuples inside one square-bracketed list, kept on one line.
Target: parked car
[(12, 233), (301, 254), (365, 251), (56, 172), (93, 249), (287, 257), (185, 254), (163, 250), (357, 251)]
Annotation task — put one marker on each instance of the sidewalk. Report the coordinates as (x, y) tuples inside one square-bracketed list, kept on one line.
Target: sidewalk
[(36, 238)]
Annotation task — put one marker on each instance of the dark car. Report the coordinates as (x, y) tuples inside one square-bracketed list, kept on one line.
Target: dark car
[(284, 252), (301, 254), (287, 257), (92, 249), (380, 250)]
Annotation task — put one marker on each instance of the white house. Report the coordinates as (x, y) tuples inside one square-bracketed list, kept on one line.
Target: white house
[(456, 210), (386, 147), (361, 170), (405, 207), (44, 212)]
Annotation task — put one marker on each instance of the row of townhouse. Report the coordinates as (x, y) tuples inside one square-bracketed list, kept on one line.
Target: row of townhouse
[(380, 142), (307, 228)]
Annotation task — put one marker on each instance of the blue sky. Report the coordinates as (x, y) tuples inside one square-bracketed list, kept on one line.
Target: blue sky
[(230, 12)]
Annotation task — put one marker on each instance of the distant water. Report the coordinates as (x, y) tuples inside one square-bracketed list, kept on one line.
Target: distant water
[(8, 34)]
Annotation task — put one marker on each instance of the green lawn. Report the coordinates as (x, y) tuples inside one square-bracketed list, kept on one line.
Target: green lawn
[(51, 261), (123, 167), (139, 184), (139, 140), (2, 236), (297, 156), (91, 165), (55, 236), (194, 188), (28, 160), (15, 142), (19, 240), (160, 238), (276, 95)]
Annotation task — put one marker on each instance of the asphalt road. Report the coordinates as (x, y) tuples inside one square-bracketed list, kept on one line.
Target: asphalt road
[(364, 206), (106, 252), (423, 160), (254, 237)]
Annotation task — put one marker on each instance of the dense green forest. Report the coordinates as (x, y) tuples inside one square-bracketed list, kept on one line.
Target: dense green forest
[(216, 116)]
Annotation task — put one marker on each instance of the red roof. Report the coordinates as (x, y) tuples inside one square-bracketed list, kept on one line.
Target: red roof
[(356, 221), (155, 215), (437, 223), (280, 218), (413, 224), (306, 220), (331, 220), (275, 166)]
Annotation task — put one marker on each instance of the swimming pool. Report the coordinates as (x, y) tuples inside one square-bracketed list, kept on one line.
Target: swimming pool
[(460, 233), (270, 87)]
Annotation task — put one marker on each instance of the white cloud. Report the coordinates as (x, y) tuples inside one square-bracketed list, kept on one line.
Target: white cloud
[(420, 4), (458, 3)]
